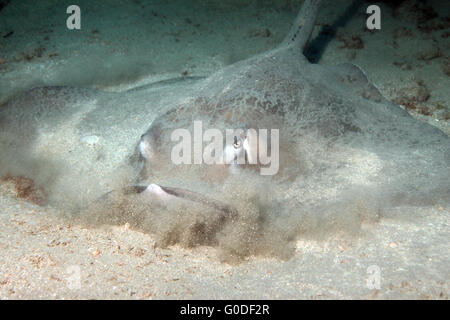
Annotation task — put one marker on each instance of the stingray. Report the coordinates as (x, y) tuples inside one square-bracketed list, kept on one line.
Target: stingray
[(337, 138), (327, 118)]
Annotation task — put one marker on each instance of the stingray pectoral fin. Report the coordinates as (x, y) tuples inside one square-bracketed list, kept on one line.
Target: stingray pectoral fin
[(197, 197), (167, 194), (356, 79), (172, 194)]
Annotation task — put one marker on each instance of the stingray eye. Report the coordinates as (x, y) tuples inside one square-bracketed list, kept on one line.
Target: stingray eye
[(145, 147), (237, 142)]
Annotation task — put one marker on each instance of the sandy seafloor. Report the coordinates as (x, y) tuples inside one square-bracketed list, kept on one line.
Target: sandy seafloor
[(142, 42)]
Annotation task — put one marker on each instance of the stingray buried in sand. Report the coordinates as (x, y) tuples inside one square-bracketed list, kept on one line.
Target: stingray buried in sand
[(345, 153)]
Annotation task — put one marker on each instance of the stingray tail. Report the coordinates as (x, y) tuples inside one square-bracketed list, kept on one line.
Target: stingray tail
[(303, 25)]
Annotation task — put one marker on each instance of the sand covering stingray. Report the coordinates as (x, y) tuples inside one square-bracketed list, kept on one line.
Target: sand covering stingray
[(345, 152)]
